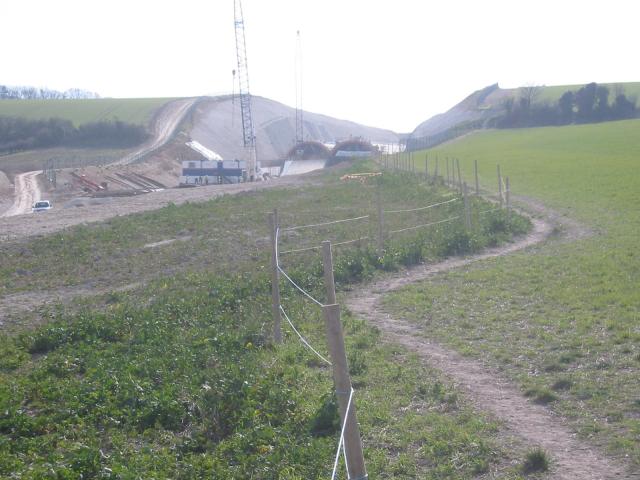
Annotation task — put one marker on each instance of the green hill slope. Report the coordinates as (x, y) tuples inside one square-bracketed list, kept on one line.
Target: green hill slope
[(131, 110), (560, 319), (479, 108)]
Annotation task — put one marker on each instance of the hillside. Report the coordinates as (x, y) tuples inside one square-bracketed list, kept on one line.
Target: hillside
[(482, 105), (218, 126), (131, 110), (560, 321)]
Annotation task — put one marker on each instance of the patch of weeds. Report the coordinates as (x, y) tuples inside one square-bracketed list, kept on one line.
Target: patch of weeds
[(357, 362), (535, 461), (541, 396), (326, 420), (561, 384), (553, 367), (11, 355)]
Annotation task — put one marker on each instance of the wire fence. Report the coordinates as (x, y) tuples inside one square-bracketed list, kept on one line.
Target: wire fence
[(360, 240)]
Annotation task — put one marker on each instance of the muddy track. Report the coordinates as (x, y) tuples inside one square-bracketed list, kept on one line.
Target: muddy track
[(164, 125), (27, 192), (488, 391)]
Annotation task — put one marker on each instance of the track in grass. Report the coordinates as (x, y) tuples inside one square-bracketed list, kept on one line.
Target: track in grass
[(571, 458)]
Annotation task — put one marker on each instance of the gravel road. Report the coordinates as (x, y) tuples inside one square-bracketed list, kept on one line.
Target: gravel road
[(27, 193)]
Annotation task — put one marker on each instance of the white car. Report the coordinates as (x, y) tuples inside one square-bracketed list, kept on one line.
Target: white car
[(41, 206)]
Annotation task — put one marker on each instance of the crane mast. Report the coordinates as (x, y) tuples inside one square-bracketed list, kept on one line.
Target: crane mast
[(248, 132), (299, 124)]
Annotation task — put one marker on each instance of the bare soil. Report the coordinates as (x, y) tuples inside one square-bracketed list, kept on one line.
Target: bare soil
[(84, 210), (164, 125), (488, 390)]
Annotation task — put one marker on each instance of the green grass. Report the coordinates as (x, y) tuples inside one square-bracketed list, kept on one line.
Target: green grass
[(178, 379), (214, 235), (131, 110), (562, 318)]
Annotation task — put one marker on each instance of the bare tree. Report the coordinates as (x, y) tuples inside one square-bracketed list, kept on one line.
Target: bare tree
[(528, 95)]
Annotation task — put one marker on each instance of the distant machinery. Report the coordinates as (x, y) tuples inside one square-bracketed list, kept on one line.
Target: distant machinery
[(303, 150), (248, 131), (309, 150), (353, 147)]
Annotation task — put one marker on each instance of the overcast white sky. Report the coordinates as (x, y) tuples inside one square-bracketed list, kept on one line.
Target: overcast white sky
[(388, 64)]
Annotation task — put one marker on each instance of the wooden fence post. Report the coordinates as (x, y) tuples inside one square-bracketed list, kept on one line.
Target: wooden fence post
[(435, 172), (329, 283), (426, 167), (475, 162), (335, 340), (508, 195), (448, 176), (467, 210), (275, 278), (459, 176), (380, 220), (500, 186), (352, 444)]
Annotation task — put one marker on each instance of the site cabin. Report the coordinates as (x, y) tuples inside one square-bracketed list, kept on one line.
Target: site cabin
[(208, 172)]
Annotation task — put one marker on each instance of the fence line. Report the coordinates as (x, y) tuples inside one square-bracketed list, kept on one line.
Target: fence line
[(347, 242), (344, 220), (425, 225), (304, 292), (315, 212), (422, 208), (298, 250), (490, 210), (318, 247), (303, 339), (351, 451)]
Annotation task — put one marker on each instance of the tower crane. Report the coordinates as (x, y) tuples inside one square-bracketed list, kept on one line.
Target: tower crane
[(298, 66), (248, 132)]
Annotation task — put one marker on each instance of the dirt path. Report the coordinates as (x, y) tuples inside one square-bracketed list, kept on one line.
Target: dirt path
[(572, 459), (27, 192), (164, 125)]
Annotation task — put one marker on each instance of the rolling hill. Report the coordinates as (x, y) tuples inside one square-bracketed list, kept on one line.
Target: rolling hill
[(218, 126), (138, 111), (482, 105)]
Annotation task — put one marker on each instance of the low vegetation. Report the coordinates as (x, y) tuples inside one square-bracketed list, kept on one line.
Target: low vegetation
[(535, 461), (560, 319), (179, 379), (18, 134), (588, 104)]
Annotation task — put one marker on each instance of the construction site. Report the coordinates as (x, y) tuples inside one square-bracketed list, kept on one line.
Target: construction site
[(196, 142)]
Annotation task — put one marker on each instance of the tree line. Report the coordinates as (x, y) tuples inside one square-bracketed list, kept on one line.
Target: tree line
[(33, 93), (589, 104), (18, 134)]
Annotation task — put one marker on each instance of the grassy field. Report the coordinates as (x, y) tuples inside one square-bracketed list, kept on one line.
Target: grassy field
[(131, 110), (177, 379), (561, 319)]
